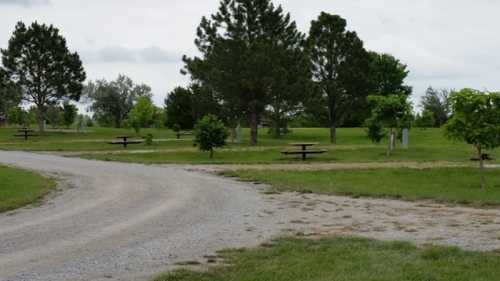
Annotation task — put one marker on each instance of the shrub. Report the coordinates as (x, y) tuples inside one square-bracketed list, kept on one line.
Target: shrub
[(210, 133)]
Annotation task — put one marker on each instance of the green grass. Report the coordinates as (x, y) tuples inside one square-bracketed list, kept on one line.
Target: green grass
[(454, 185), (346, 259), (19, 188), (353, 146)]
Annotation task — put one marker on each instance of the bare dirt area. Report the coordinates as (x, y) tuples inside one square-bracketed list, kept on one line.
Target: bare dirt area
[(128, 222)]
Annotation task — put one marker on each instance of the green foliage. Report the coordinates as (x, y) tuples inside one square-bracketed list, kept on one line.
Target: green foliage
[(375, 130), (112, 101), (53, 115), (393, 112), (476, 118), (251, 57), (69, 114), (10, 95), (149, 139), (425, 120), (437, 102), (388, 76), (340, 67), (142, 114), (17, 115), (179, 109), (38, 61), (210, 133)]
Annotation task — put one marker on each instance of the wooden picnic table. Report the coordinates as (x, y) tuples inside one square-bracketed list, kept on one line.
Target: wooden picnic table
[(125, 141), (305, 149), (25, 133)]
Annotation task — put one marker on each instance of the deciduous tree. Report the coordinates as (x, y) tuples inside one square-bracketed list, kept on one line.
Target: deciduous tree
[(476, 121), (112, 101), (38, 61), (210, 133)]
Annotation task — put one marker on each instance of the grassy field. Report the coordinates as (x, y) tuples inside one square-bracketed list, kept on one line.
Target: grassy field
[(454, 185), (20, 188), (346, 259), (353, 146)]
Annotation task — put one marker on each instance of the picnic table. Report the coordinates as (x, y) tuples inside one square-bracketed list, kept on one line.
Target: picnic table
[(25, 133), (180, 134), (303, 149), (125, 141)]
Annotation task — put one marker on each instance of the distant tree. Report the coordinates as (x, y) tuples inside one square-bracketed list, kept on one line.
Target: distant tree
[(210, 133), (425, 120), (10, 95), (112, 101), (375, 129), (69, 114), (142, 114), (436, 101), (340, 67), (392, 112), (388, 76), (54, 116), (38, 61), (244, 48), (475, 120), (179, 109), (17, 115)]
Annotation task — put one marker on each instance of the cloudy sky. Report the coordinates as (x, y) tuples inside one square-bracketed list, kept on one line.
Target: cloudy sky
[(445, 43)]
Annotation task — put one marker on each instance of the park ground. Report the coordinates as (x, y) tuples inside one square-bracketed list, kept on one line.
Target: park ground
[(433, 170), (20, 188)]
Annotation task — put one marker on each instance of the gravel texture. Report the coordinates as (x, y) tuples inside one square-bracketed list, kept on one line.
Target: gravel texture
[(115, 221)]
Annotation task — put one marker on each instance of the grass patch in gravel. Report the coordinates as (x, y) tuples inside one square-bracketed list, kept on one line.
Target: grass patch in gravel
[(19, 188), (453, 185), (346, 259)]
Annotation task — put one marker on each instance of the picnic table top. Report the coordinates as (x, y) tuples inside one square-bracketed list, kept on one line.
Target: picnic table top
[(124, 137), (25, 130), (304, 144)]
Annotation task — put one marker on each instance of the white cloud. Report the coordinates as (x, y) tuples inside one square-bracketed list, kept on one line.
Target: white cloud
[(445, 43)]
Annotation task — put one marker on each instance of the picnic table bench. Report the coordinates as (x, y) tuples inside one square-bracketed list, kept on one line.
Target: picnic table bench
[(125, 141), (180, 134), (303, 149), (25, 133)]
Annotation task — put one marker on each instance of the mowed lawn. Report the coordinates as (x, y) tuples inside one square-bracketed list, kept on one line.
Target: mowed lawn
[(346, 259), (19, 188), (453, 185)]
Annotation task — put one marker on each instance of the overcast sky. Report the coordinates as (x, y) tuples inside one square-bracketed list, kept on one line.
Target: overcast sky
[(445, 43)]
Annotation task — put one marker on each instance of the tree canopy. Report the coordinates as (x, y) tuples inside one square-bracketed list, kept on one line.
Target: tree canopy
[(112, 101), (248, 49), (436, 102), (340, 67), (38, 61), (475, 120)]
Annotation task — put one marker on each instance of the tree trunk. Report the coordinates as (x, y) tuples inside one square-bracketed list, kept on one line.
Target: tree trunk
[(233, 134), (40, 118), (333, 134), (481, 167), (254, 127)]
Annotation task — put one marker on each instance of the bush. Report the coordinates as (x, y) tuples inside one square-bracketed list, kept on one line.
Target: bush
[(210, 133), (149, 139)]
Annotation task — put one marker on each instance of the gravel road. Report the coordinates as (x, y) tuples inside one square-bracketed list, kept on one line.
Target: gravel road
[(116, 221)]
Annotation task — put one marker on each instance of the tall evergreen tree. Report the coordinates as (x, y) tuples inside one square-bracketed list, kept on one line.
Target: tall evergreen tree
[(340, 67), (10, 96), (38, 61), (388, 75), (243, 47)]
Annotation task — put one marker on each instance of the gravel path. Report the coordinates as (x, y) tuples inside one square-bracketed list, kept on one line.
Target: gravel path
[(115, 221)]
